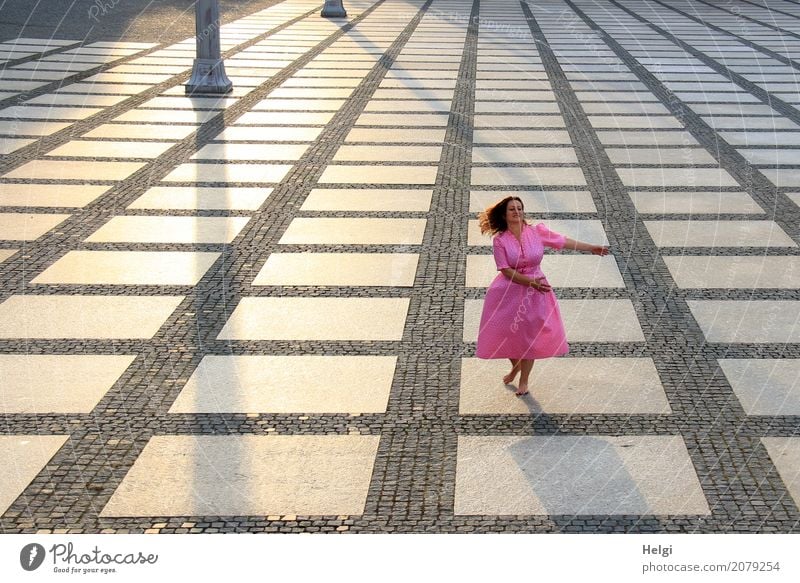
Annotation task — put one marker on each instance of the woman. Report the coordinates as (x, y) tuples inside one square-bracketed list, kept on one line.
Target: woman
[(521, 320)]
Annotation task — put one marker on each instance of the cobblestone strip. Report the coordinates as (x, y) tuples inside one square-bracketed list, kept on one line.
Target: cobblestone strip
[(135, 408), (781, 208), (44, 144), (414, 479), (698, 393)]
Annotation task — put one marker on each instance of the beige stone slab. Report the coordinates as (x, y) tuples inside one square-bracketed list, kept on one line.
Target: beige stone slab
[(269, 134), (402, 120), (578, 201), (368, 199), (668, 177), (185, 102), (23, 457), (27, 226), (633, 121), (339, 269), (782, 177), (30, 128), (576, 475), (167, 116), (57, 383), (104, 88), (571, 386), (6, 253), (243, 475), (718, 234), (561, 271), (302, 318), (528, 176), (201, 198), (273, 104), (687, 156), (748, 122), (75, 170), (513, 95), (8, 145), (48, 113), (128, 268), (545, 137), (386, 105), (523, 155), (344, 174), (254, 152), (321, 83), (105, 149), (765, 386), (60, 316), (747, 272), (347, 231), (648, 138), (285, 118), (516, 107), (280, 384), (771, 157), (413, 94), (319, 92), (395, 135), (519, 121), (760, 138), (584, 320), (785, 454), (198, 172), (141, 131), (349, 153), (636, 96), (49, 195), (737, 321), (627, 107), (417, 83), (589, 231), (694, 202), (124, 229)]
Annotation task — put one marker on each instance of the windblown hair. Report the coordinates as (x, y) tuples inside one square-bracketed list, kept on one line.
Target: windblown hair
[(493, 219)]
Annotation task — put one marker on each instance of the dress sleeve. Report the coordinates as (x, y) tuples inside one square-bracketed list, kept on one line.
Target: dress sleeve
[(499, 250), (550, 238)]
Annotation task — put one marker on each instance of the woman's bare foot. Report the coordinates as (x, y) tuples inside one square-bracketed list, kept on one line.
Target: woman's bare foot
[(522, 389), (509, 378)]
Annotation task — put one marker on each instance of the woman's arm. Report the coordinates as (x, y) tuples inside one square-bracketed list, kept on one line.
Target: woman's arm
[(538, 284), (581, 246)]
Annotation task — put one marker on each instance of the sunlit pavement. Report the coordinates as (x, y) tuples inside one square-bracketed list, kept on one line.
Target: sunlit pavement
[(258, 312)]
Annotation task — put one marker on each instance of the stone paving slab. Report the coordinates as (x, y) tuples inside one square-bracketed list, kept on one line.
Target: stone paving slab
[(320, 222), (239, 475), (24, 456)]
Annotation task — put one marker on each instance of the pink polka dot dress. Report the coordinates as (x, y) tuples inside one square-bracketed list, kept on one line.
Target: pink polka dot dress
[(517, 320)]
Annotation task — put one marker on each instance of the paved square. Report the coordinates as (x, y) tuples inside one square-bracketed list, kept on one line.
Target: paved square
[(57, 383), (316, 384), (765, 387), (316, 319), (129, 268), (343, 269), (280, 287), (564, 385), (235, 475), (23, 457), (576, 475), (85, 316)]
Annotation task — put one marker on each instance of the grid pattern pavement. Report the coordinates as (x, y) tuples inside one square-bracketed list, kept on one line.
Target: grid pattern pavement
[(257, 312)]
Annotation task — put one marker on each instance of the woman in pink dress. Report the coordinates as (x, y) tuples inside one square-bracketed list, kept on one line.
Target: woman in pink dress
[(521, 320)]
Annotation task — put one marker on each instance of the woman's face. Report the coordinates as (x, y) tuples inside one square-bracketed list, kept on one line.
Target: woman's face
[(514, 213)]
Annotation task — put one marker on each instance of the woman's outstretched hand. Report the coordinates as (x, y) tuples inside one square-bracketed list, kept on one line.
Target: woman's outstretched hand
[(599, 250)]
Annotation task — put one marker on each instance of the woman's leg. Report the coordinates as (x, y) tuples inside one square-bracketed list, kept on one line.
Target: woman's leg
[(525, 367), (509, 378)]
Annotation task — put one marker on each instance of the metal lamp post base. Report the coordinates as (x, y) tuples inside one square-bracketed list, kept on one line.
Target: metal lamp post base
[(208, 76), (333, 9)]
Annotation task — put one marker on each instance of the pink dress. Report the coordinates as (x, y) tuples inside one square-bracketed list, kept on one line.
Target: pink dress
[(517, 320)]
